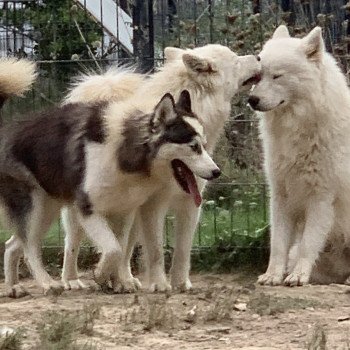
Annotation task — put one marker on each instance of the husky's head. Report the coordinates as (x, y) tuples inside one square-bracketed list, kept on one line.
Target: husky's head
[(170, 136), (216, 67), (290, 69), (181, 141)]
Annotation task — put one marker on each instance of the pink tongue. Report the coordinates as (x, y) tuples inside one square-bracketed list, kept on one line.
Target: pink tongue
[(192, 186)]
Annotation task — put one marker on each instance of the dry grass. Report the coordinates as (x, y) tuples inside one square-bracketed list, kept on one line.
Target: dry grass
[(12, 341)]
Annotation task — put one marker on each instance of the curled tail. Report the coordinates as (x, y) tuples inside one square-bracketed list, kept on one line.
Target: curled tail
[(16, 77), (117, 84)]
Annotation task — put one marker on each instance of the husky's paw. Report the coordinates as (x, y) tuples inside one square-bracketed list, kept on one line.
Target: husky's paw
[(182, 286), (75, 284), (16, 291), (53, 288), (269, 279), (130, 285), (297, 279)]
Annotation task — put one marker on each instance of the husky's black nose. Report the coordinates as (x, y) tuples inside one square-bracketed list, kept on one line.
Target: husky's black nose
[(216, 173), (253, 101)]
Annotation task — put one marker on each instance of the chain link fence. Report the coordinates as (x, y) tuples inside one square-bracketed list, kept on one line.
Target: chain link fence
[(67, 37)]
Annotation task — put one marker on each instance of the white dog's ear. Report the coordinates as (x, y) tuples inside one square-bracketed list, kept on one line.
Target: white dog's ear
[(172, 53), (163, 113), (198, 64), (313, 45), (281, 32)]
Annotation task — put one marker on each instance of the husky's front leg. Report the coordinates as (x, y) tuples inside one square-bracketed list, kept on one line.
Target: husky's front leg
[(318, 224), (187, 216), (153, 217), (280, 241), (98, 230), (73, 236)]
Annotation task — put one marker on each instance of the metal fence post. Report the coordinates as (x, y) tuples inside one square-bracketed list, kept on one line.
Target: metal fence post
[(144, 34)]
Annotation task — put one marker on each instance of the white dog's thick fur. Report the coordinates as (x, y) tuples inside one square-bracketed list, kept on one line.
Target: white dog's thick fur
[(305, 129), (212, 74)]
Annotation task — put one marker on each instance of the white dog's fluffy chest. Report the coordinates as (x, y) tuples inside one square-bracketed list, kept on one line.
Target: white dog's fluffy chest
[(300, 160)]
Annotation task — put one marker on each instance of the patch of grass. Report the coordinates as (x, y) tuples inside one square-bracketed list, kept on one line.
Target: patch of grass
[(150, 313), (318, 339), (264, 304), (12, 341), (59, 330), (222, 307)]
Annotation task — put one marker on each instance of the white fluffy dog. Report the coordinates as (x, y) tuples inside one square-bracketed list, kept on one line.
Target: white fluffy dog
[(305, 128)]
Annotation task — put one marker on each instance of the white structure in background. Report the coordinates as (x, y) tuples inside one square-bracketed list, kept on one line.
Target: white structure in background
[(116, 22)]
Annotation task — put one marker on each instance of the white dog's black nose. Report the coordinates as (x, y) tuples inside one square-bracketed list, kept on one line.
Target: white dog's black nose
[(216, 173), (253, 101)]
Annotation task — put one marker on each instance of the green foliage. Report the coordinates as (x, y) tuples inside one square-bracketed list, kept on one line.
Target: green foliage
[(52, 27)]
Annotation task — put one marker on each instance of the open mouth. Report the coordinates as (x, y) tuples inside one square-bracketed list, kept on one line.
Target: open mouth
[(252, 80), (185, 178)]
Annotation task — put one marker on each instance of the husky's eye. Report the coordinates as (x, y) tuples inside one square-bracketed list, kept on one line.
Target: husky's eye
[(195, 147), (276, 76)]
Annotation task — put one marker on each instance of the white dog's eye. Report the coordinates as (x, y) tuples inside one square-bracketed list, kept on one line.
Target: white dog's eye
[(276, 76)]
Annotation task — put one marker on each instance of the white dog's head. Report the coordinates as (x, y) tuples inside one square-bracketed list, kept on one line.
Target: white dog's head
[(216, 67), (291, 69)]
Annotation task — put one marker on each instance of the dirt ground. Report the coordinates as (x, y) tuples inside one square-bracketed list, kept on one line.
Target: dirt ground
[(222, 312)]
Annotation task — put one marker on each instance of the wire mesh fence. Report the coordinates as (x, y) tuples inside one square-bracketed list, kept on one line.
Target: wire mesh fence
[(67, 37)]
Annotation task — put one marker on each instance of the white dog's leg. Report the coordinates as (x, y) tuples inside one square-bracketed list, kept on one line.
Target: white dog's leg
[(124, 281), (97, 229), (73, 237), (128, 249), (38, 223), (187, 216), (318, 223), (281, 236), (153, 217), (12, 256)]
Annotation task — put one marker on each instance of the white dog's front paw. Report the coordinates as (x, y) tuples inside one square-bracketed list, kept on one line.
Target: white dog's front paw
[(16, 291), (53, 288), (159, 284), (129, 285), (75, 284), (270, 279), (300, 275), (181, 285), (297, 279)]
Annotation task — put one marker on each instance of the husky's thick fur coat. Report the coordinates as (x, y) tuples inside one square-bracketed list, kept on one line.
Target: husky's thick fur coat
[(212, 74), (101, 159), (305, 129)]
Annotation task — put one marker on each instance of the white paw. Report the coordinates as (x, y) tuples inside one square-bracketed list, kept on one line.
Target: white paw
[(269, 279), (181, 285), (297, 279), (159, 284), (130, 285), (16, 291), (75, 284), (53, 288)]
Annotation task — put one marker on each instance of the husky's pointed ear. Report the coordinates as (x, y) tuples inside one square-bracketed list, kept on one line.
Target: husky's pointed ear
[(164, 112), (281, 32), (184, 101), (313, 45), (198, 64), (172, 53)]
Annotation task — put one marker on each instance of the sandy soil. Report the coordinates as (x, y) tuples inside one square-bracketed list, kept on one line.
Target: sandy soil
[(222, 312)]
